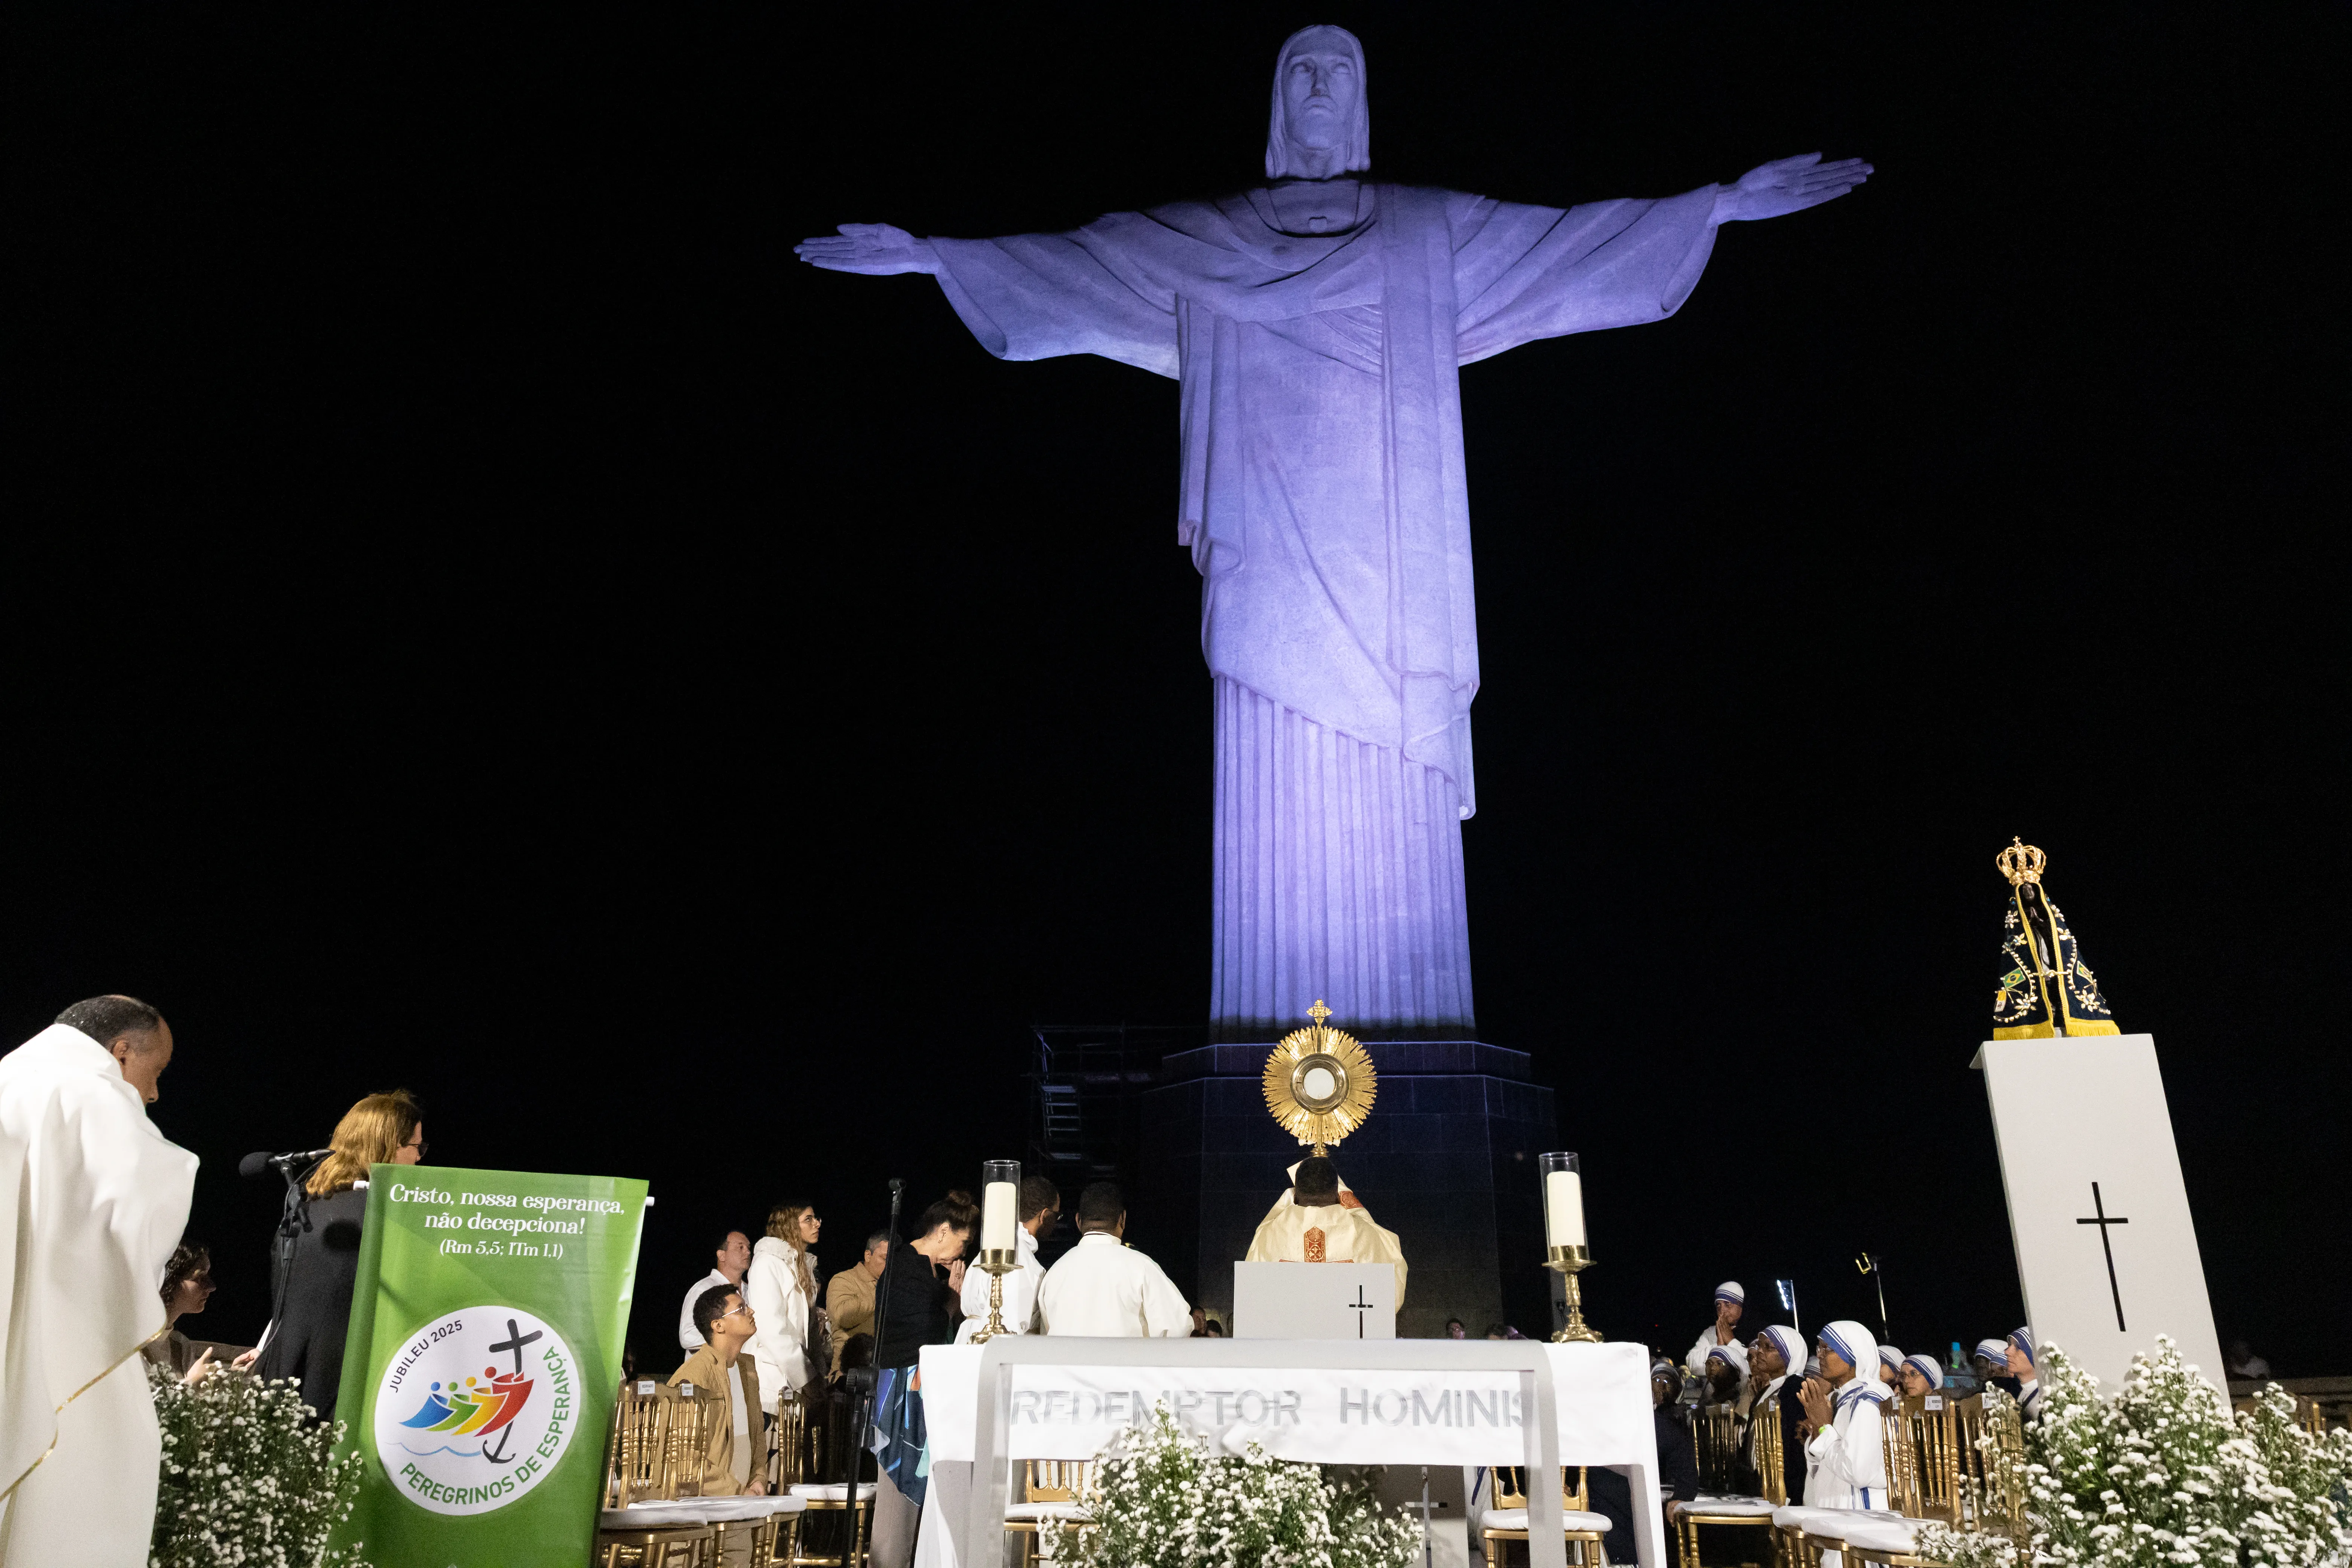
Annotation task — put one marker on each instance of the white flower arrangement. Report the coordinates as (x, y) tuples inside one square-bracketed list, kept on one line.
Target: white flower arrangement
[(2164, 1475), (1160, 1500), (248, 1477)]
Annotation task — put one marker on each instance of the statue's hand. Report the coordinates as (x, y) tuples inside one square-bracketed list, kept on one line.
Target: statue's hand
[(876, 249), (1788, 185)]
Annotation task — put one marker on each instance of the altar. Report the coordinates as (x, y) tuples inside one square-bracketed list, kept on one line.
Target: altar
[(1356, 1402)]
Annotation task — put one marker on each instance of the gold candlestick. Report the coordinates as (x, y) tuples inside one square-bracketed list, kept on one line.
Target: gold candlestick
[(996, 1265), (1573, 1261)]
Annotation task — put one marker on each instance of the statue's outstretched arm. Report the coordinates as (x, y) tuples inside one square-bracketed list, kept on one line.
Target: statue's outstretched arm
[(876, 249), (1781, 187)]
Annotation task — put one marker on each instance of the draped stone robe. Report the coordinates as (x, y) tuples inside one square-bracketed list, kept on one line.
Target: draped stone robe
[(1324, 502)]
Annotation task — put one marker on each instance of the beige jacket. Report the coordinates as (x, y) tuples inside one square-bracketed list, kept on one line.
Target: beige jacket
[(848, 1307), (704, 1371)]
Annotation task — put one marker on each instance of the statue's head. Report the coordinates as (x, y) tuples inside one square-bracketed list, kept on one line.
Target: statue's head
[(1321, 126)]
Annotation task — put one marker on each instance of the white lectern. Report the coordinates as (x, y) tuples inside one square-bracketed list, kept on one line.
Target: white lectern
[(1314, 1302)]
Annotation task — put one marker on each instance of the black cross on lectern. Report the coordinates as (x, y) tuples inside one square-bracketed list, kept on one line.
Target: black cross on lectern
[(2100, 1219), (1360, 1305)]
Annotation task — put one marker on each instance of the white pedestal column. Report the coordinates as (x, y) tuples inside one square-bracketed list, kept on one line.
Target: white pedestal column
[(2107, 1251)]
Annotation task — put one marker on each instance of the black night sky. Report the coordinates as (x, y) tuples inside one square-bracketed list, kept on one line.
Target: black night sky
[(487, 619)]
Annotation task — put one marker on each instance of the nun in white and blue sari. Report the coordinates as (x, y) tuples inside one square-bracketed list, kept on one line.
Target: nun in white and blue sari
[(2021, 1359), (1846, 1463), (1730, 1301), (1921, 1376)]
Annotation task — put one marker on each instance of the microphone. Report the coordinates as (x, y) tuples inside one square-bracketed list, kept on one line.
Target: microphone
[(261, 1162)]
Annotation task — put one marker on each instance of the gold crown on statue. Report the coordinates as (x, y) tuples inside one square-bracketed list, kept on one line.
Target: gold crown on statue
[(1319, 1082), (2022, 862)]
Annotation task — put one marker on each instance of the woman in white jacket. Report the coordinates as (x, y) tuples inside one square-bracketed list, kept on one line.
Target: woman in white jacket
[(781, 1290)]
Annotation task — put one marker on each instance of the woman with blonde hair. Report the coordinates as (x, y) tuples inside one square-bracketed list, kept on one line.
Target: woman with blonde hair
[(304, 1343), (781, 1290)]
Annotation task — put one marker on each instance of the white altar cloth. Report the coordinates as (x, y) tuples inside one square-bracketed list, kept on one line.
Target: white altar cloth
[(1397, 1402)]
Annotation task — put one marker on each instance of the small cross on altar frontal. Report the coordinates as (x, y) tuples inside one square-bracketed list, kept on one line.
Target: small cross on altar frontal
[(1360, 1307), (2103, 1220)]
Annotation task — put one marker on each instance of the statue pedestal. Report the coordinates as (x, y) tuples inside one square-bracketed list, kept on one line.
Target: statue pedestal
[(1314, 1302), (1448, 1161)]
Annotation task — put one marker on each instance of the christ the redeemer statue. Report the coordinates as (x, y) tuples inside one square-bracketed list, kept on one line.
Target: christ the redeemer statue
[(1317, 324)]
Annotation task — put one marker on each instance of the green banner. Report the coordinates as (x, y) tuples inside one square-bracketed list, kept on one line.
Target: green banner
[(484, 1350)]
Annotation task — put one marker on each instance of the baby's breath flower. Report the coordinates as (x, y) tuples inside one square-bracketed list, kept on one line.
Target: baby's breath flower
[(245, 1478)]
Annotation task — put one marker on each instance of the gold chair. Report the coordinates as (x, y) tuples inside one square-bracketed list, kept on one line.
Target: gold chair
[(641, 1465), (1051, 1505), (787, 1444), (858, 1522), (2006, 1495), (1934, 1439), (637, 1450), (1716, 1435), (1899, 1455), (692, 1546), (692, 1412), (777, 1542), (1771, 1457), (1976, 1486), (1747, 1514), (1499, 1525)]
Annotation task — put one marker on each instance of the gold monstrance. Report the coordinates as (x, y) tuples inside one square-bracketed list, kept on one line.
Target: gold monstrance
[(1319, 1082)]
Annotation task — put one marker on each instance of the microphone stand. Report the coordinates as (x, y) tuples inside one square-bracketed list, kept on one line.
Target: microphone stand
[(863, 1412), (293, 1219)]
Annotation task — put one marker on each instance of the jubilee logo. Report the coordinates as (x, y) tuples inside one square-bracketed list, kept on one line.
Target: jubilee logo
[(476, 1410)]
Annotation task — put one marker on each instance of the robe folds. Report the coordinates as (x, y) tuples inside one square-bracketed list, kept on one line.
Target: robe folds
[(1323, 496), (92, 1201)]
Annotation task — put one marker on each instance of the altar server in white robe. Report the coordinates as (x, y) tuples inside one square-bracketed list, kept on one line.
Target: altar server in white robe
[(781, 1290), (1730, 1301), (1105, 1288), (1317, 1226), (92, 1201), (1039, 1205), (1846, 1461)]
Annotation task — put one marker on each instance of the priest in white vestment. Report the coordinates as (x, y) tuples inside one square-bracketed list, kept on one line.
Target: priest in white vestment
[(1314, 1225), (92, 1201), (1105, 1288)]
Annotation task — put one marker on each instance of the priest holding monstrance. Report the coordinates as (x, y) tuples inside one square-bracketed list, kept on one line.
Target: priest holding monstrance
[(1320, 1086)]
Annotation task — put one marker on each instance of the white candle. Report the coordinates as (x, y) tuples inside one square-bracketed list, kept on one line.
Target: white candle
[(997, 1222), (1564, 1209)]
